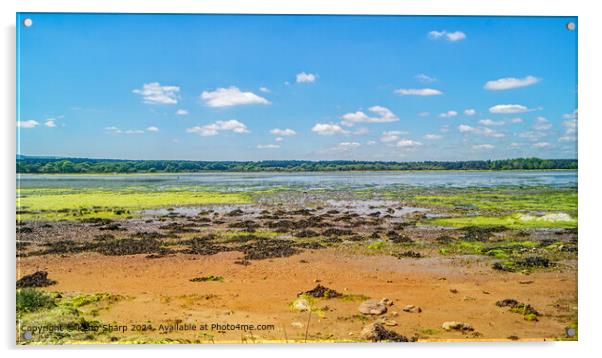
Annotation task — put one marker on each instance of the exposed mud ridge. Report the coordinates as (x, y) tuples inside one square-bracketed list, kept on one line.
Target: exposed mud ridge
[(131, 247), (321, 292), (36, 279)]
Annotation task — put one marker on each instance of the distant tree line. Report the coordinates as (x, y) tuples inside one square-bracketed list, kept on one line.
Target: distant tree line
[(83, 165)]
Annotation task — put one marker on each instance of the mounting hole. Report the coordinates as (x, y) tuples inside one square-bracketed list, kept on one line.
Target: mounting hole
[(27, 22), (570, 26)]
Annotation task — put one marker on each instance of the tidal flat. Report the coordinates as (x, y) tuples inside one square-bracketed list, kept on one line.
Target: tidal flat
[(297, 257)]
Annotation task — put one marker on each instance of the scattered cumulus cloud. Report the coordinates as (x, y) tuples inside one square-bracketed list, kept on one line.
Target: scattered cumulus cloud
[(542, 124), (27, 124), (381, 115), (483, 146), (152, 129), (470, 112), (182, 112), (510, 83), (408, 143), (425, 78), (278, 139), (213, 129), (328, 129), (490, 122), (283, 132), (433, 136), (231, 96), (450, 36), (448, 114), (154, 93), (371, 142), (418, 92), (264, 89), (541, 145), (391, 136), (268, 146), (488, 132), (509, 108), (50, 122), (134, 131), (306, 77)]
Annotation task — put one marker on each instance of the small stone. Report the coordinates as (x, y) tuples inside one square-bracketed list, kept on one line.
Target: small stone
[(453, 290), (412, 309), (386, 302), (373, 307), (457, 326)]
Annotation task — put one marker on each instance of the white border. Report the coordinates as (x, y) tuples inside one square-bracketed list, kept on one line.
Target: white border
[(590, 117)]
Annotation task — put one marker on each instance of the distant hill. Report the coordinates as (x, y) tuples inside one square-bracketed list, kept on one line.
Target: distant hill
[(53, 165)]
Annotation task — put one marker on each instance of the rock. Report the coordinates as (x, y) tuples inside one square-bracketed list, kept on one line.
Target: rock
[(389, 322), (412, 309), (387, 302), (297, 324), (457, 326), (301, 305), (373, 307), (377, 332)]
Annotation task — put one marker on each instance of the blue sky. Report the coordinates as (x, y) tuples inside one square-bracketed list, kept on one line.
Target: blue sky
[(209, 87)]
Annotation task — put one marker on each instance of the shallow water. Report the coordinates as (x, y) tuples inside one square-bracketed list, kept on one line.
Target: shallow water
[(305, 181)]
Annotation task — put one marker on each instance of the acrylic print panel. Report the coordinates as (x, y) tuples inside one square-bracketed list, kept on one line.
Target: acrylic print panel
[(289, 179)]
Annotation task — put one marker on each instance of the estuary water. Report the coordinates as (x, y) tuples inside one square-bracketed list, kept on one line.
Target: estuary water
[(305, 181)]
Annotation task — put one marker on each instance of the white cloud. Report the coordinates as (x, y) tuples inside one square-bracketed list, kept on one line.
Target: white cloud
[(383, 115), (483, 147), (465, 128), (425, 78), (134, 131), (570, 129), (516, 120), (278, 139), (283, 132), (212, 129), (510, 83), (470, 112), (572, 115), (361, 131), (450, 36), (444, 128), (392, 136), (268, 146), (182, 112), (408, 143), (540, 145), (152, 129), (264, 89), (371, 142), (490, 122), (154, 93), (27, 124), (448, 114), (306, 77), (433, 136), (328, 129), (542, 124), (113, 130), (531, 135), (50, 122), (418, 92), (231, 96), (348, 145), (509, 108), (488, 132)]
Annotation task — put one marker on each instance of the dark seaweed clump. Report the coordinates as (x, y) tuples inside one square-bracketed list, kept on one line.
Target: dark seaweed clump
[(321, 292), (36, 279), (267, 249)]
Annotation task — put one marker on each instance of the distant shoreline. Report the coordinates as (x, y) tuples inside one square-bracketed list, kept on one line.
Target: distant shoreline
[(45, 165)]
